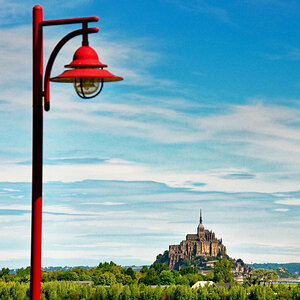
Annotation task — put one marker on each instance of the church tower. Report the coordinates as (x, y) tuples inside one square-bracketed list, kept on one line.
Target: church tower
[(200, 229)]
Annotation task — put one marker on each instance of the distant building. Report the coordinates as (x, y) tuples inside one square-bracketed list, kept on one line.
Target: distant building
[(202, 284), (203, 243), (239, 270)]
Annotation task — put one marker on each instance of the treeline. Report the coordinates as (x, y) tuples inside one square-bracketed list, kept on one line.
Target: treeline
[(110, 273), (58, 290), (157, 274), (110, 281)]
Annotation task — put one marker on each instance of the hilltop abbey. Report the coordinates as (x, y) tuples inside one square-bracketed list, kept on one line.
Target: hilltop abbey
[(203, 243)]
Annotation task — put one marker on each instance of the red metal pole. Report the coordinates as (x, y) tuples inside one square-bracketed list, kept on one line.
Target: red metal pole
[(37, 132), (37, 154)]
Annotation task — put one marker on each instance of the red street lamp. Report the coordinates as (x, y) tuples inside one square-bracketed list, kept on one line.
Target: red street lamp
[(87, 75)]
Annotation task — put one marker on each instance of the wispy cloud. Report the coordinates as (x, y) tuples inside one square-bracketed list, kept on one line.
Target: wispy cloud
[(283, 5), (291, 53), (107, 203), (10, 190), (281, 209), (13, 12), (251, 130), (211, 180), (201, 6), (290, 201), (15, 54)]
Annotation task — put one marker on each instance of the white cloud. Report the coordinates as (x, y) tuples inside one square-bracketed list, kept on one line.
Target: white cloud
[(11, 255), (15, 55), (57, 209), (15, 207), (289, 201), (107, 203), (10, 190), (13, 219), (212, 180), (98, 245), (281, 209), (144, 254), (12, 12), (257, 131), (205, 8)]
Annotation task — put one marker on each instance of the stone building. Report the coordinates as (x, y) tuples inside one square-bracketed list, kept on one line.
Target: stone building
[(203, 243)]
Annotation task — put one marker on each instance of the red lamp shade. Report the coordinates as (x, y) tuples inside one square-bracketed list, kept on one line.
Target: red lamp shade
[(85, 56), (97, 74), (86, 73)]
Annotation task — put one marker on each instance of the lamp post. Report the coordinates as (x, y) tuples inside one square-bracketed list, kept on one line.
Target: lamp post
[(87, 74)]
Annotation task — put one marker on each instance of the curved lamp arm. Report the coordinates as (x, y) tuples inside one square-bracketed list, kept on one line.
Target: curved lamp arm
[(53, 55)]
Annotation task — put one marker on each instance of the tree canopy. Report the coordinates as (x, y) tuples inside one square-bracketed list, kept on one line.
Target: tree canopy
[(222, 271), (261, 276)]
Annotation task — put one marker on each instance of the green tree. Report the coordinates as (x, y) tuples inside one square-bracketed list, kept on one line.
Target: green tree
[(126, 280), (222, 271), (23, 275), (182, 280), (101, 293), (106, 267), (151, 278), (162, 258), (192, 278), (126, 293), (237, 292), (183, 292), (18, 291), (83, 274), (258, 293), (4, 271), (107, 278), (68, 276), (144, 269), (49, 289), (159, 267), (166, 277), (185, 263), (296, 292), (114, 291), (135, 291), (129, 271), (188, 270), (261, 276)]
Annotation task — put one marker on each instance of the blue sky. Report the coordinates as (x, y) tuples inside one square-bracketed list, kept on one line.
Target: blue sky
[(208, 115)]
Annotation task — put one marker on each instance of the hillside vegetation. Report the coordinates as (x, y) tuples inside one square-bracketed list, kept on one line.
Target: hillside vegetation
[(293, 268)]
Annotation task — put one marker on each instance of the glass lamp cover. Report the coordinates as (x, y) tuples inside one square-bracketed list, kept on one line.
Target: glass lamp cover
[(86, 85)]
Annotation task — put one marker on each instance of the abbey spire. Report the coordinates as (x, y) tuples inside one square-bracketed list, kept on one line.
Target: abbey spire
[(200, 216), (200, 228)]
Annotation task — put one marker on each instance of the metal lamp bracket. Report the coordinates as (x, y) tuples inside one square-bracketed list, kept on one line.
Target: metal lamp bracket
[(84, 32)]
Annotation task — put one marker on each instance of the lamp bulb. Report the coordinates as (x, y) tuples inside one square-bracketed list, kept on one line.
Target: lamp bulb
[(86, 85)]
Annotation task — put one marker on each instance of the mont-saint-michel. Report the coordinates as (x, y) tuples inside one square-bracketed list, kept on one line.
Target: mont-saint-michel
[(203, 243), (202, 250)]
